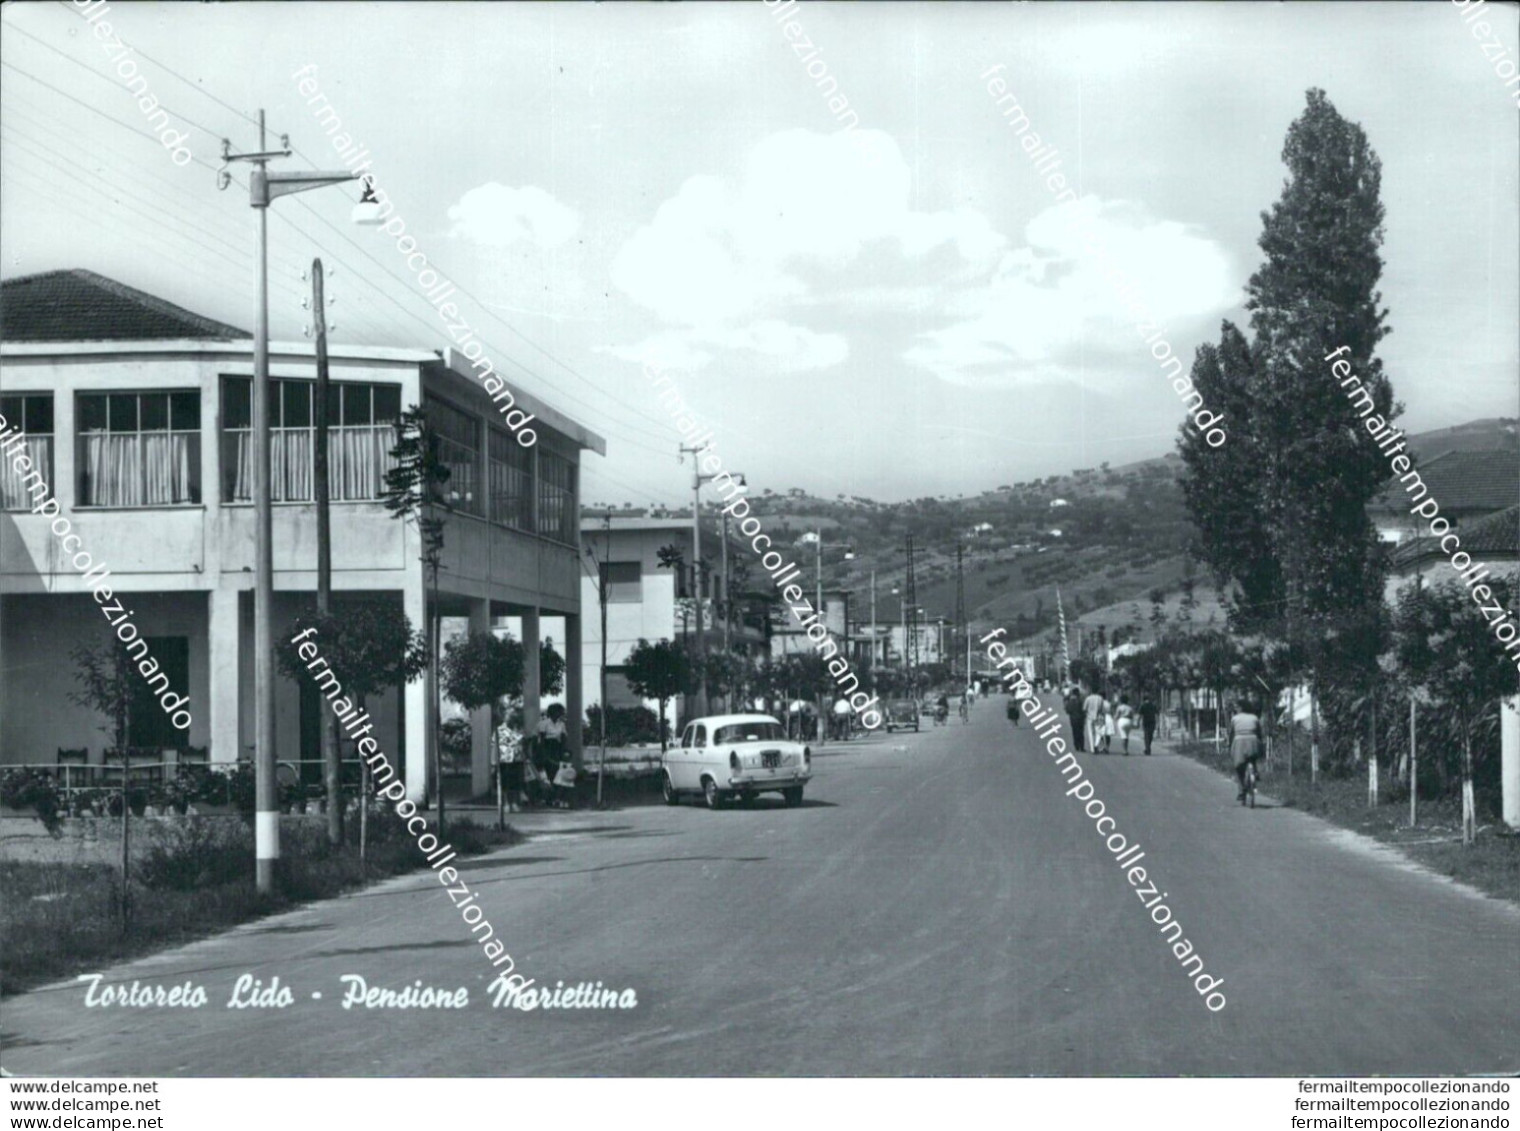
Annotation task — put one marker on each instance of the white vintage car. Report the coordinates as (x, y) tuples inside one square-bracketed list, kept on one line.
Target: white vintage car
[(736, 756)]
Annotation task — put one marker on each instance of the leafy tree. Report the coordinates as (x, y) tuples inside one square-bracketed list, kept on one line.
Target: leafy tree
[(370, 646), (658, 671), (415, 491), (1280, 508), (1447, 648), (108, 684), (481, 670)]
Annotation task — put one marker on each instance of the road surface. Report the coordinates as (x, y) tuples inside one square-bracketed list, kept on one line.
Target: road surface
[(938, 906)]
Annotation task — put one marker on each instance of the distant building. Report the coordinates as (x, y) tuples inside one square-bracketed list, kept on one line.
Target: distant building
[(1054, 503), (648, 601), (1466, 486)]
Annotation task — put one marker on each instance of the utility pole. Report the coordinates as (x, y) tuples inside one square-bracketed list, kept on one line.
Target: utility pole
[(697, 479), (602, 581), (910, 614), (960, 614), (328, 729), (872, 670), (263, 188)]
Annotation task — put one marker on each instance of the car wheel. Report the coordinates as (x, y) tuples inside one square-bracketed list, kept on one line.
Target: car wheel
[(792, 796), (712, 793), (668, 788)]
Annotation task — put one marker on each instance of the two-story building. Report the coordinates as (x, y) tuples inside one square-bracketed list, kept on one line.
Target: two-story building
[(138, 415), (649, 600)]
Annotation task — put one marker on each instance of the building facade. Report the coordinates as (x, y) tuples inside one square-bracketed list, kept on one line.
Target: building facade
[(137, 415)]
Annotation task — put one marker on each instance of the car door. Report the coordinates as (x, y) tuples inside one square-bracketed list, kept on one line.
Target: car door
[(676, 759), (698, 755)]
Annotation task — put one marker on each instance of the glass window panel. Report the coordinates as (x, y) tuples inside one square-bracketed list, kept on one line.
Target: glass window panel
[(13, 410), (387, 403), (297, 397), (92, 414), (185, 411), (39, 414), (237, 402), (155, 412), (356, 409), (123, 412)]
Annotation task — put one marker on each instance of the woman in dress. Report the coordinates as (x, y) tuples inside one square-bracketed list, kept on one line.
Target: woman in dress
[(1124, 719), (1245, 742)]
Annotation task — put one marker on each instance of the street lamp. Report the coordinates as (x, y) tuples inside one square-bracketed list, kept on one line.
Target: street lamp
[(265, 187)]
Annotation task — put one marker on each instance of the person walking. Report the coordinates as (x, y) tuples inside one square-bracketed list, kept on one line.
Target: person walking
[(510, 764), (1245, 743), (1093, 708), (1124, 719), (1148, 715), (1074, 716)]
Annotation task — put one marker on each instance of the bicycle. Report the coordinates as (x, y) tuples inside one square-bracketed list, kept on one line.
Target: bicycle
[(965, 712), (1248, 785)]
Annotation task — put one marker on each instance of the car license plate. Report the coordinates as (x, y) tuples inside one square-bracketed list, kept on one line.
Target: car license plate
[(770, 759)]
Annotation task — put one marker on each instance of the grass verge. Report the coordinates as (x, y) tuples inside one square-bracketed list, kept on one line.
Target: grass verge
[(192, 878), (1491, 863)]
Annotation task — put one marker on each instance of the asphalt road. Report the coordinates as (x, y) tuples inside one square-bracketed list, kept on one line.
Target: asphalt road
[(937, 906)]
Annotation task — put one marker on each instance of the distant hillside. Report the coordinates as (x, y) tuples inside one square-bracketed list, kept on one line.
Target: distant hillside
[(1499, 434), (1107, 536)]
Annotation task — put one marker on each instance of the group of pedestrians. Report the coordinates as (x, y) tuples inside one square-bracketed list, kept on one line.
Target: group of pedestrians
[(536, 772), (1096, 722)]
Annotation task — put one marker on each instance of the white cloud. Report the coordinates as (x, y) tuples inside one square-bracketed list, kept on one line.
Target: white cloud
[(495, 215), (721, 263), (788, 348), (1054, 299)]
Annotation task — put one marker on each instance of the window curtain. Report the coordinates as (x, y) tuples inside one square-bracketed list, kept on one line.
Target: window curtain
[(13, 496), (357, 459), (145, 470)]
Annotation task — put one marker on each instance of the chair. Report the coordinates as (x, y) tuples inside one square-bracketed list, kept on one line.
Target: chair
[(73, 766)]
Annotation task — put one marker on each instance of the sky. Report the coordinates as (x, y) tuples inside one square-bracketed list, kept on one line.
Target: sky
[(893, 310)]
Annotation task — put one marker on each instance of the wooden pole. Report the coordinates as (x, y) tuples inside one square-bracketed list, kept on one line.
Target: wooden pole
[(328, 727)]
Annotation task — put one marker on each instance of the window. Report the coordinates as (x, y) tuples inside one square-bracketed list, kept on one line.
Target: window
[(360, 435), (139, 449), (33, 414), (148, 724), (764, 731), (701, 737), (459, 448), (624, 581), (686, 735), (556, 497), (511, 470)]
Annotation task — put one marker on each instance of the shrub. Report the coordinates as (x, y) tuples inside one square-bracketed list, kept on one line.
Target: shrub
[(195, 853), (34, 790), (625, 726)]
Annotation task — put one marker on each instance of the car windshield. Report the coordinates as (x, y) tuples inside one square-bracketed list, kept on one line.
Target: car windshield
[(764, 731)]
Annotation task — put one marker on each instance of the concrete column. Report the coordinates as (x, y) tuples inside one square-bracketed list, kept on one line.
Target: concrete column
[(222, 673), (575, 711), (1509, 761), (480, 720), (531, 682), (414, 696)]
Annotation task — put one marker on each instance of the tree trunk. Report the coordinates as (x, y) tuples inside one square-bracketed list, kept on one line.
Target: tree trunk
[(1469, 816), (126, 813), (1414, 769), (436, 706)]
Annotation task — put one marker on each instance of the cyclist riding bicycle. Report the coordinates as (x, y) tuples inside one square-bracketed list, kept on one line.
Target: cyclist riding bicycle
[(941, 710), (1245, 743), (965, 709)]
